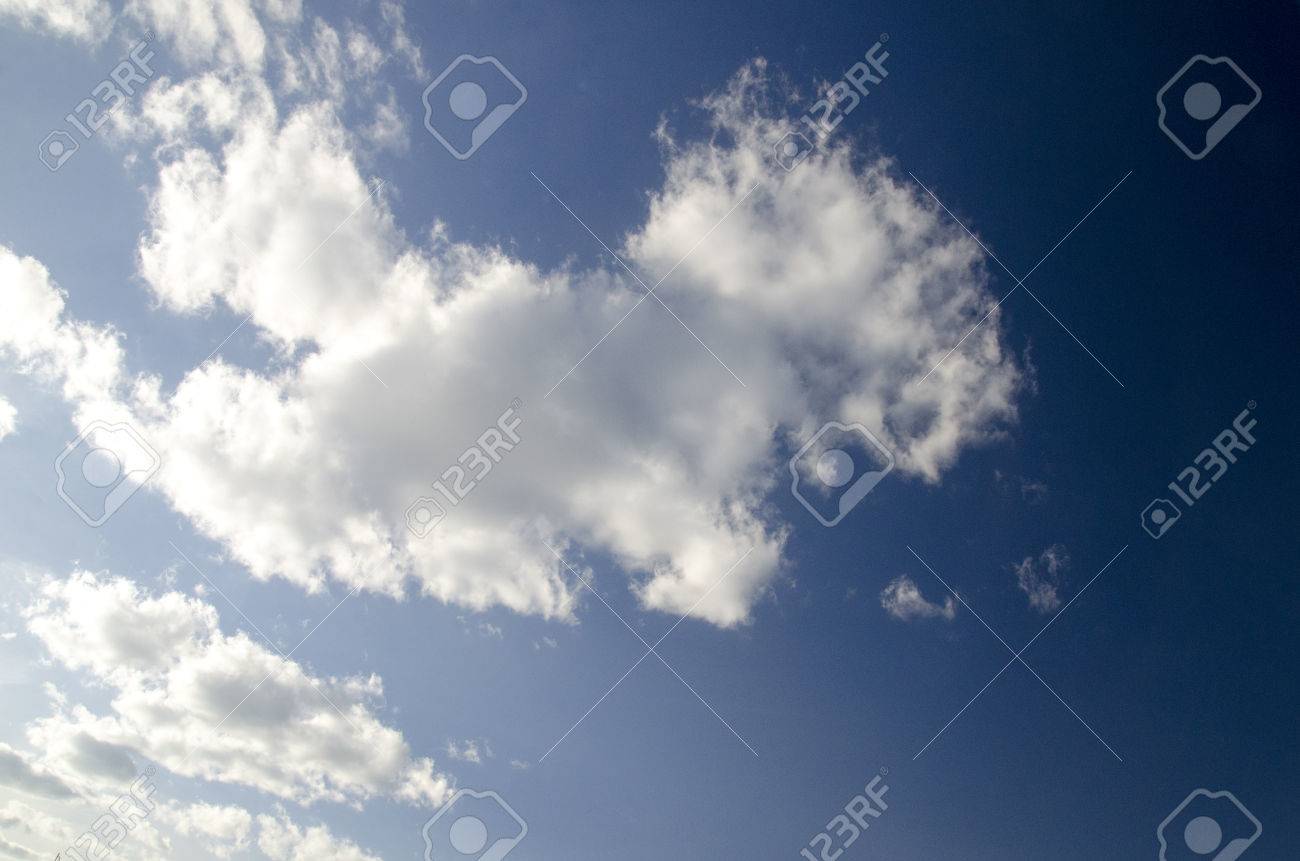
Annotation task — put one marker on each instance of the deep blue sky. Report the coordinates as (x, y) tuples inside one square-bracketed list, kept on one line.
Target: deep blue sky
[(1019, 117)]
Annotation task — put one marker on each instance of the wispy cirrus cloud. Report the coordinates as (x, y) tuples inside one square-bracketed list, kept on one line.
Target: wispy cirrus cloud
[(1041, 577)]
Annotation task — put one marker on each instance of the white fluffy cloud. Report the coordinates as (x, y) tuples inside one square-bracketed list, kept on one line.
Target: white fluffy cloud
[(227, 33), (283, 840), (8, 418), (35, 335), (903, 600), (176, 678), (223, 829), (1041, 578), (831, 291), (470, 750), (81, 20)]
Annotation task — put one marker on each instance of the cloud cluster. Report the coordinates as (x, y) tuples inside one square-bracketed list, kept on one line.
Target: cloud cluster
[(209, 705), (832, 290)]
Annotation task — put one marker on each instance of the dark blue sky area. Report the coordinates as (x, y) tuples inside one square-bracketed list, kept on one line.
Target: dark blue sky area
[(1181, 656)]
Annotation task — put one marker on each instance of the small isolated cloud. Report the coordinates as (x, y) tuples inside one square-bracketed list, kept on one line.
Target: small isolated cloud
[(470, 750), (1041, 578), (483, 629), (545, 643), (1033, 491), (902, 599)]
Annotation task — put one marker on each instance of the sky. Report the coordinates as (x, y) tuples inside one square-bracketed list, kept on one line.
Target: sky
[(918, 491)]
